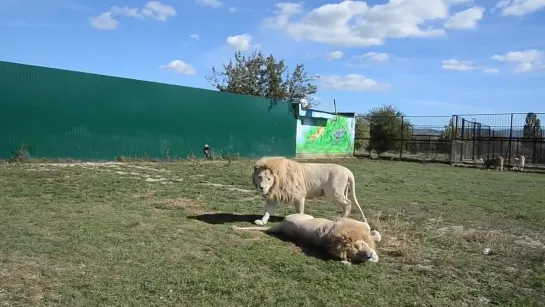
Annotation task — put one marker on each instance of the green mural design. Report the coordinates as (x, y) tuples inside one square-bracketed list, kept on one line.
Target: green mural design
[(335, 135)]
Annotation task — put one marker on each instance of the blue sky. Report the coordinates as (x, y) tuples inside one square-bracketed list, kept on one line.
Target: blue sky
[(426, 57)]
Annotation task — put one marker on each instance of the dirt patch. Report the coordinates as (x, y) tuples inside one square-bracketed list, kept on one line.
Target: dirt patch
[(143, 195), (228, 187), (190, 205), (147, 168), (149, 179), (23, 274), (529, 242)]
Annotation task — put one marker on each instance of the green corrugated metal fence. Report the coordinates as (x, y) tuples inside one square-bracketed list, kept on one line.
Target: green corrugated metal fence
[(67, 114)]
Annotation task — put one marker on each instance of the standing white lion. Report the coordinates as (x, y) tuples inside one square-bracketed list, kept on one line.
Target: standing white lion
[(286, 181)]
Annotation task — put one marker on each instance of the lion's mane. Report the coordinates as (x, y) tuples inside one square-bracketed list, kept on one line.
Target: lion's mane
[(289, 178), (341, 239)]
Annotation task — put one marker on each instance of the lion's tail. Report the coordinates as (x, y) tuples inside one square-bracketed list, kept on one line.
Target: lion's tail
[(261, 228), (352, 183)]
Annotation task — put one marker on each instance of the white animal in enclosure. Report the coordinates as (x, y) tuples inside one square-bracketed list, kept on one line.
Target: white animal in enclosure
[(519, 163), (282, 180), (345, 239)]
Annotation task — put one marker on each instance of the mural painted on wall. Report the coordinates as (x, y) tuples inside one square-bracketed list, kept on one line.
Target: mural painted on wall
[(334, 135)]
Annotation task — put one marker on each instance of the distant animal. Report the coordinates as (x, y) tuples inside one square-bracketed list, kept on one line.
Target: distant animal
[(286, 181), (519, 163), (344, 239), (496, 162)]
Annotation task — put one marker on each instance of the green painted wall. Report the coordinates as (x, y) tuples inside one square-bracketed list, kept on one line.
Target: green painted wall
[(67, 114), (327, 134)]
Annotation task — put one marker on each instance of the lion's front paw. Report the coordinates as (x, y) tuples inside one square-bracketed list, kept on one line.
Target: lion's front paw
[(373, 258), (346, 262), (259, 222)]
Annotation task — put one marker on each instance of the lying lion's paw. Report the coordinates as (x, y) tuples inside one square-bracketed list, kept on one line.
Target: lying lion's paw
[(346, 262), (373, 258), (259, 222)]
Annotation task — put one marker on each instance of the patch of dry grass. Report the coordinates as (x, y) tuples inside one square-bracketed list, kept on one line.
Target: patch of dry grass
[(100, 234)]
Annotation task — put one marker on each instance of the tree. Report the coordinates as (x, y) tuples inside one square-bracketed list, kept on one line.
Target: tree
[(257, 75), (531, 131), (361, 135), (446, 137), (388, 129), (532, 126), (448, 130)]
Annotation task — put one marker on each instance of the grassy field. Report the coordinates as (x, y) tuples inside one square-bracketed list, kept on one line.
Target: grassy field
[(159, 234)]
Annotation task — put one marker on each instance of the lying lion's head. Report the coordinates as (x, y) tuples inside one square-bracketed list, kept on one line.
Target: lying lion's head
[(263, 179), (359, 251), (353, 240)]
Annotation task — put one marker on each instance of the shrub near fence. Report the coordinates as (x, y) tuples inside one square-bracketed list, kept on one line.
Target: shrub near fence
[(418, 137)]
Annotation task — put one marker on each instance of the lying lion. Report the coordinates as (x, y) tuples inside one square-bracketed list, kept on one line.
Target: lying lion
[(282, 180), (345, 239)]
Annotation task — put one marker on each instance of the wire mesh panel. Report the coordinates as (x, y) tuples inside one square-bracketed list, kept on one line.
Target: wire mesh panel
[(415, 137), (509, 135)]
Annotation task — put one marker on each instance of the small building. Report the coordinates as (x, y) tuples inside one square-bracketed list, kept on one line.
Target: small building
[(322, 134)]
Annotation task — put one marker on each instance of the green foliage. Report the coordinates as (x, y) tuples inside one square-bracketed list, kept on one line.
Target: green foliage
[(531, 131), (388, 129), (362, 133), (447, 133), (327, 142), (532, 126), (257, 75)]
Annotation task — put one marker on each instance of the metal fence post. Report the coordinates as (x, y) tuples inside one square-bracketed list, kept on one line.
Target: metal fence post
[(534, 147), (402, 137), (489, 139), (493, 144), (463, 142), (510, 136), (540, 149), (474, 124), (453, 138)]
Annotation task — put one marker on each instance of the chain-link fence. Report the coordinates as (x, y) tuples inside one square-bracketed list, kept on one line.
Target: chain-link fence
[(457, 138)]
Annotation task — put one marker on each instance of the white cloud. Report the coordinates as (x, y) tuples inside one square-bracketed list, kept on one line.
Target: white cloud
[(374, 56), (355, 24), (352, 82), (335, 55), (453, 64), (465, 20), (194, 36), (458, 65), (104, 21), (127, 11), (233, 10), (179, 67), (519, 7), (491, 70), (152, 9), (159, 11), (241, 42), (524, 61), (211, 3)]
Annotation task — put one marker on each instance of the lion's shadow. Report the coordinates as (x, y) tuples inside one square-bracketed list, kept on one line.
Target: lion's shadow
[(308, 249), (224, 218)]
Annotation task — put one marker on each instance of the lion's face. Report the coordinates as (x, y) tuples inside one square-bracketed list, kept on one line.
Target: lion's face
[(361, 252), (263, 180)]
